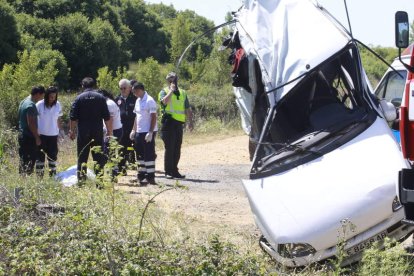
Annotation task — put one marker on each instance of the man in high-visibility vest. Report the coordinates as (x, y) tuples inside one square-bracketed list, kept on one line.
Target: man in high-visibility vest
[(176, 111)]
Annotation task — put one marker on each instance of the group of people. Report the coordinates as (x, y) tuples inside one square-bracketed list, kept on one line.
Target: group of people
[(96, 118)]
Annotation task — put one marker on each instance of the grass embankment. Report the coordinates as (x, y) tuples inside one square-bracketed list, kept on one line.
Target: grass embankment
[(47, 229)]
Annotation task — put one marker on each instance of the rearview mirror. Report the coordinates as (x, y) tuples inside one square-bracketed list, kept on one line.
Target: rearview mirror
[(401, 29)]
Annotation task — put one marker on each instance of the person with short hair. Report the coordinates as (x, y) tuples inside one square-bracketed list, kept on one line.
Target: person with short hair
[(29, 138), (87, 113), (49, 123), (143, 133), (176, 111), (126, 103)]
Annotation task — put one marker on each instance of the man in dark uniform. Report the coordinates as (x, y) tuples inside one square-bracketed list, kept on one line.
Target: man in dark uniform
[(87, 114), (126, 103)]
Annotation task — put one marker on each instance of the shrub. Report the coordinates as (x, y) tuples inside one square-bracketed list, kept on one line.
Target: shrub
[(16, 81)]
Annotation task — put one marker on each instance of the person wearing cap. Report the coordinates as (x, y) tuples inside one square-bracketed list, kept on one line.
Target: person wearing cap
[(49, 122), (87, 113), (126, 103), (176, 111), (29, 138), (143, 133)]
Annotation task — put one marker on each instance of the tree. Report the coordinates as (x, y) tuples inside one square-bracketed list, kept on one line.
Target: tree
[(180, 37), (16, 81), (88, 46), (148, 39), (9, 35), (149, 71)]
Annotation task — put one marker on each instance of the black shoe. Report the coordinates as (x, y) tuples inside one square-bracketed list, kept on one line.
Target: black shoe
[(178, 176), (152, 181), (168, 176), (141, 180)]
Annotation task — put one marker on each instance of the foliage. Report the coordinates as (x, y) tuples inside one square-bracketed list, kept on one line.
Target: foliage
[(392, 260), (86, 231), (213, 102), (148, 39), (16, 81), (149, 73), (374, 67), (109, 80), (9, 35)]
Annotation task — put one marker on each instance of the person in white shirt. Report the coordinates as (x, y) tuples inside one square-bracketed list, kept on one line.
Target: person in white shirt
[(49, 128), (114, 121), (143, 133)]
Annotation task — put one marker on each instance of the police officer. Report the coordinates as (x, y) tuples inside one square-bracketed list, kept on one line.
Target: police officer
[(126, 103), (176, 111), (86, 115)]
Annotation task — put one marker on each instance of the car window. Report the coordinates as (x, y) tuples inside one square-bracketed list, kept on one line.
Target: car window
[(392, 86)]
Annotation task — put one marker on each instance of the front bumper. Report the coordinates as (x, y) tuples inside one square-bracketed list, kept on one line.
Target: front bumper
[(394, 227)]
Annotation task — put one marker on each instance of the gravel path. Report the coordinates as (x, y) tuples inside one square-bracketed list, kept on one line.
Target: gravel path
[(215, 201)]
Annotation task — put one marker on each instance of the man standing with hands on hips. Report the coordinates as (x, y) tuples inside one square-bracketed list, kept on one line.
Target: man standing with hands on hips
[(176, 111), (143, 133)]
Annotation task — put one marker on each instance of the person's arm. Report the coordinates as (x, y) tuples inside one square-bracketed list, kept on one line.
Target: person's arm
[(72, 129), (133, 130), (167, 98), (108, 124), (149, 135), (32, 124), (189, 116)]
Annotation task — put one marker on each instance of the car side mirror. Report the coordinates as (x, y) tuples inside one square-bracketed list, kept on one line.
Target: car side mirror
[(396, 102), (401, 29), (389, 110)]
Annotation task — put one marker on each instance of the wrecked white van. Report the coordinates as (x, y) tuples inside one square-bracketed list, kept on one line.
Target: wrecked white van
[(326, 164)]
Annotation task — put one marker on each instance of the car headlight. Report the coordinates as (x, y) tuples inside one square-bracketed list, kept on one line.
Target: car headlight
[(396, 204), (295, 250)]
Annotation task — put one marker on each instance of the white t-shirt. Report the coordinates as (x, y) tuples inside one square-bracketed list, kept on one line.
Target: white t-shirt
[(144, 108), (114, 113), (47, 119)]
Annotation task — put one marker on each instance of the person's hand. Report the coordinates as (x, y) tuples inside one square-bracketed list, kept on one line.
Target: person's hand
[(61, 135), (38, 141), (190, 126), (72, 135), (132, 135), (148, 137)]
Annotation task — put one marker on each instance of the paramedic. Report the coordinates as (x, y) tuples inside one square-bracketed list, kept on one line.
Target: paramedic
[(143, 133)]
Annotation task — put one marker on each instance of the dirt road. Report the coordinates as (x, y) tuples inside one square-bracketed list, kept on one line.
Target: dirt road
[(215, 201)]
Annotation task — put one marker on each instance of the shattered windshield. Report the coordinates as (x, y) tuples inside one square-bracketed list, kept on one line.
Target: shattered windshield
[(314, 117)]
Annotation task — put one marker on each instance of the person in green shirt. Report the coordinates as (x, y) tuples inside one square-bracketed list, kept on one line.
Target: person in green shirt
[(29, 138)]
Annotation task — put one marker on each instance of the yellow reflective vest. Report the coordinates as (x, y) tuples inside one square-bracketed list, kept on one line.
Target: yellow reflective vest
[(176, 107)]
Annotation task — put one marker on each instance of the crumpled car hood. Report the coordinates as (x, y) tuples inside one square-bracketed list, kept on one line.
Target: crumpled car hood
[(357, 181)]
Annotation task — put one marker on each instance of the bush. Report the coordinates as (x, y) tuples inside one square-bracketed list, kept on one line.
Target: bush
[(16, 81)]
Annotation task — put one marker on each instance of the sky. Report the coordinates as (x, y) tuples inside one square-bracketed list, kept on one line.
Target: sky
[(372, 21)]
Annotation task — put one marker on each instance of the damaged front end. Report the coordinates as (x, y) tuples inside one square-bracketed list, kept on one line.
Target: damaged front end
[(324, 153)]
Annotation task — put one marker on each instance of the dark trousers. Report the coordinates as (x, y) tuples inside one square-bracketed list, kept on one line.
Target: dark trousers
[(87, 139), (145, 155), (127, 150), (48, 150), (172, 135), (117, 133), (28, 151)]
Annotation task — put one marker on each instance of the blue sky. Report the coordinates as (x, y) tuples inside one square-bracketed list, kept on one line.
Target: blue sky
[(372, 21)]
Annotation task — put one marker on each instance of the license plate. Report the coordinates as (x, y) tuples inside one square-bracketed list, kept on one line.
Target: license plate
[(366, 244)]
